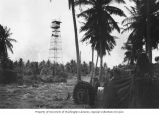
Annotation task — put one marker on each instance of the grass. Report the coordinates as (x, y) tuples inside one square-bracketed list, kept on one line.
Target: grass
[(44, 95)]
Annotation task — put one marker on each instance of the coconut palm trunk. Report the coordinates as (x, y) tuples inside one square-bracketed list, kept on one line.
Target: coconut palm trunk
[(95, 68), (92, 71), (96, 62), (76, 42), (148, 37), (92, 62), (101, 62)]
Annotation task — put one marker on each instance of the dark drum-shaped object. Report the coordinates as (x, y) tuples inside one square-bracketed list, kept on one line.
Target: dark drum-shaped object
[(84, 93)]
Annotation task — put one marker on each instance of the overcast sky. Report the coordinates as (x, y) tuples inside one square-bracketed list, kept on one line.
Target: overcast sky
[(30, 22)]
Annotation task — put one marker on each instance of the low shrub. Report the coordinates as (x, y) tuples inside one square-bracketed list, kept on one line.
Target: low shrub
[(46, 78), (8, 76), (60, 77)]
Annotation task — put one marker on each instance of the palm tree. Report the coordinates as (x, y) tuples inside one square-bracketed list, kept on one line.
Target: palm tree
[(144, 23), (5, 42), (72, 7), (92, 45), (99, 25)]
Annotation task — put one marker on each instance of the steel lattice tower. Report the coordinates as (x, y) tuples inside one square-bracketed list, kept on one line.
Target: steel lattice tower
[(55, 51)]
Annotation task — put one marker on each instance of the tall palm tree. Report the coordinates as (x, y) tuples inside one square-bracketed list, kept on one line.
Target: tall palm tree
[(5, 42), (144, 23), (72, 7), (99, 25)]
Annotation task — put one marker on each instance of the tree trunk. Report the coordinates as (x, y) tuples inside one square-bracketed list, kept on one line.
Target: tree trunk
[(101, 68), (92, 73), (96, 64), (149, 50), (76, 43), (101, 62), (148, 37), (92, 62)]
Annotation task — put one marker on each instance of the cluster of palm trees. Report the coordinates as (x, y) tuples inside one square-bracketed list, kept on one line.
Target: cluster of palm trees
[(144, 26), (99, 24)]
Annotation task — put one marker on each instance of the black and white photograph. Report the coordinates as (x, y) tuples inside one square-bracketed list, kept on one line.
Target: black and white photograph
[(79, 54)]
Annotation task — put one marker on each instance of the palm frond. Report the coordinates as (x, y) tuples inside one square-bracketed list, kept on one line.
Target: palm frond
[(83, 2), (115, 11), (120, 1), (86, 13), (111, 22), (99, 24)]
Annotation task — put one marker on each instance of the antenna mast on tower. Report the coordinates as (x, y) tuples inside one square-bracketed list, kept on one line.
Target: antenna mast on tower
[(55, 51)]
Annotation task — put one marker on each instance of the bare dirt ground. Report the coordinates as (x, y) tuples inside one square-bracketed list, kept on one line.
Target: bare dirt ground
[(50, 95)]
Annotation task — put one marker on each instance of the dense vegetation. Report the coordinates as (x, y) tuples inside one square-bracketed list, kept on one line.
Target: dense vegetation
[(44, 71)]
